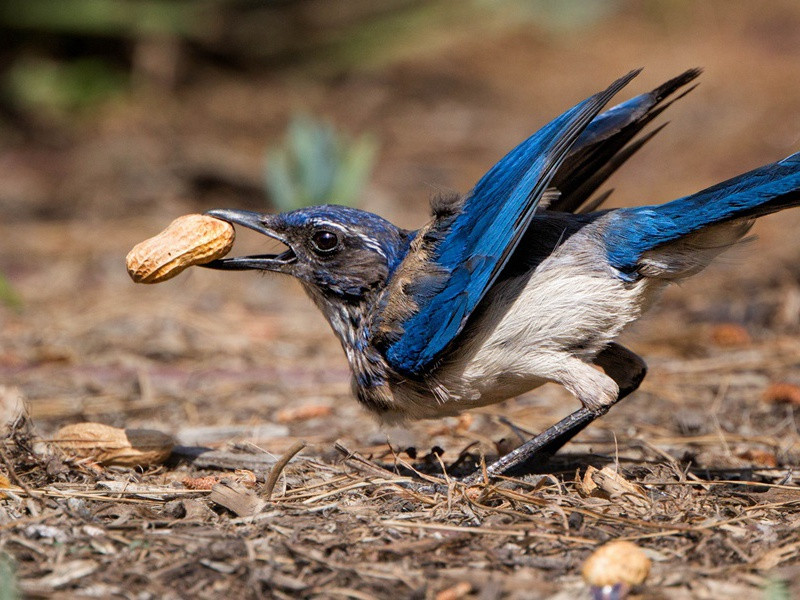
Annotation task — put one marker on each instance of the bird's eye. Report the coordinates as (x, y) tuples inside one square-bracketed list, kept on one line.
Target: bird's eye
[(324, 242)]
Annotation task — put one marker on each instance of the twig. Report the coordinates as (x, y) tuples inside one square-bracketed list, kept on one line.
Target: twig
[(353, 486), (415, 488), (363, 464), (279, 466), (521, 532)]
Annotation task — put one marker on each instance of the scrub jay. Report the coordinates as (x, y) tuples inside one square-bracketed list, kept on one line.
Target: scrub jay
[(520, 282)]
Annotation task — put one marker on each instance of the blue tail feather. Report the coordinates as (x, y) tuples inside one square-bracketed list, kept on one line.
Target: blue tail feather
[(633, 231)]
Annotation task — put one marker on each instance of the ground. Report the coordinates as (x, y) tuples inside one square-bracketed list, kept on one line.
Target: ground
[(699, 464)]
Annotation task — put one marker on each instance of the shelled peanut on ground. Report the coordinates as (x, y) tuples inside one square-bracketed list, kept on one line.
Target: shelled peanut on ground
[(188, 240)]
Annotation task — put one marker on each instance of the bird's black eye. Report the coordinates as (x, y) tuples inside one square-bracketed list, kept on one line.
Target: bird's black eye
[(324, 241)]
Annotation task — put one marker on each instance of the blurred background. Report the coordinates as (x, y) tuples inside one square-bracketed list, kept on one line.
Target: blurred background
[(117, 116)]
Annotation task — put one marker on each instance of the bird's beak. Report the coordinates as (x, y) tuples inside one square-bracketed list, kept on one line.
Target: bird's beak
[(262, 223)]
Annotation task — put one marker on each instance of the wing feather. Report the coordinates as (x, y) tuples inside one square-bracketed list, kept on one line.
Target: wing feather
[(457, 258)]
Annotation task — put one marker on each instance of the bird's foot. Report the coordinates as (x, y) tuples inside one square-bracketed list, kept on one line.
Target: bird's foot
[(541, 447)]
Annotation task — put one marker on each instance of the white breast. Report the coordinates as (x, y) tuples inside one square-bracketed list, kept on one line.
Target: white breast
[(571, 305)]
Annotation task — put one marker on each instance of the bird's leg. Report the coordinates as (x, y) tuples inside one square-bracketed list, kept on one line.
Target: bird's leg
[(624, 371), (625, 367)]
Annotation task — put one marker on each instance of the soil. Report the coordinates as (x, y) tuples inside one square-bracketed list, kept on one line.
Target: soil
[(700, 463)]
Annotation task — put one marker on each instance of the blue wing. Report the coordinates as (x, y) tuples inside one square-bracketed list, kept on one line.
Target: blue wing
[(469, 249), (604, 145)]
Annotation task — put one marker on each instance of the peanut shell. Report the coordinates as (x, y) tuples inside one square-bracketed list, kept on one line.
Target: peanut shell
[(617, 562), (113, 446), (189, 240)]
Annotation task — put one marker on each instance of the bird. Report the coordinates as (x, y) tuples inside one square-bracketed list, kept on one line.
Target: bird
[(524, 280)]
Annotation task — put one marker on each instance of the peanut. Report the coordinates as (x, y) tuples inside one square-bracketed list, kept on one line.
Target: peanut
[(617, 562), (189, 240), (113, 446)]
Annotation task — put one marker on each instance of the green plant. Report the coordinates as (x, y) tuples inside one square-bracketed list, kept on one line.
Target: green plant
[(10, 298), (8, 580), (107, 18), (776, 589), (317, 165), (61, 86)]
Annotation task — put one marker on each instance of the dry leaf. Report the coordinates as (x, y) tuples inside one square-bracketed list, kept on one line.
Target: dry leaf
[(761, 457), (189, 240), (730, 335), (113, 446), (586, 485), (609, 483), (612, 481), (4, 483), (459, 590), (782, 393)]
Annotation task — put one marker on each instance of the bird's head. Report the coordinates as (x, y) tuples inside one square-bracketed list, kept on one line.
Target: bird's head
[(337, 252)]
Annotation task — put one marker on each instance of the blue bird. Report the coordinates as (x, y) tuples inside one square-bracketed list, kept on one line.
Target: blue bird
[(520, 282)]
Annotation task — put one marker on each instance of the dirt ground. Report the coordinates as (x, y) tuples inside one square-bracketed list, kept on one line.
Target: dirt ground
[(706, 451)]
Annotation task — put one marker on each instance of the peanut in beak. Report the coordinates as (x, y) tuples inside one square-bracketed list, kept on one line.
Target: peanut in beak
[(188, 240)]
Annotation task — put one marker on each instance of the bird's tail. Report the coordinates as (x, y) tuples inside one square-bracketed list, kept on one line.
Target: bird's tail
[(681, 237)]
